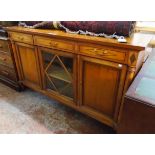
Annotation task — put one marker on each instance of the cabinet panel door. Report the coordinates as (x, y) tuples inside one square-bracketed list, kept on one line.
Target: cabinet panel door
[(28, 65), (101, 87), (58, 73)]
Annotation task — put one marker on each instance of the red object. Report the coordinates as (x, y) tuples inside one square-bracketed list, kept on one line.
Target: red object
[(124, 28), (120, 28)]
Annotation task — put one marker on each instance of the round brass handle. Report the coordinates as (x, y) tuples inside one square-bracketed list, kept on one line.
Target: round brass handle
[(95, 49), (3, 59), (99, 52), (4, 72), (21, 38), (105, 52), (53, 44)]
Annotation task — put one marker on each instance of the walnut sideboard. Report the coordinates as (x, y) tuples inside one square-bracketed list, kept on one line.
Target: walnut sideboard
[(89, 74)]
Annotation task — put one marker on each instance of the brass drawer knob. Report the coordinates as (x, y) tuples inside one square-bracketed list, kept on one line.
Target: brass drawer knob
[(105, 52), (53, 44), (20, 38), (3, 59), (4, 72), (100, 52)]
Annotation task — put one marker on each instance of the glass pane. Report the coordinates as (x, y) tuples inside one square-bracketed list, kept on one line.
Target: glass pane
[(49, 84), (63, 87), (58, 70), (151, 69), (58, 73), (47, 57), (68, 62), (146, 88)]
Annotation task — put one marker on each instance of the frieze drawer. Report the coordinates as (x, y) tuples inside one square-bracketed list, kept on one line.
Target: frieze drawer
[(7, 73), (20, 37), (4, 46), (6, 59), (104, 53), (54, 43)]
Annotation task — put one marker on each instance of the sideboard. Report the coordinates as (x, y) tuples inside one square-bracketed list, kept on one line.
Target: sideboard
[(89, 74)]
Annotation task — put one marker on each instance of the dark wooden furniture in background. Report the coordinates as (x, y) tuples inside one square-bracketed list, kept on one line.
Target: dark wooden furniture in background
[(8, 73), (89, 74), (138, 114)]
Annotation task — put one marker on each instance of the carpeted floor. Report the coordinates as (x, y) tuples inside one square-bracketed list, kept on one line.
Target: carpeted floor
[(32, 112)]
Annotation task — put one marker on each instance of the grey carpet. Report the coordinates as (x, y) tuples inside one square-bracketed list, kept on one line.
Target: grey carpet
[(32, 112)]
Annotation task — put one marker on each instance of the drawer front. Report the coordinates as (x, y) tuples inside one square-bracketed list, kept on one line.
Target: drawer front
[(6, 59), (7, 73), (20, 37), (104, 53), (4, 46), (54, 43)]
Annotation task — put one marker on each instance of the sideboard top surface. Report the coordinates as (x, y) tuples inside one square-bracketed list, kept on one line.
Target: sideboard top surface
[(137, 42)]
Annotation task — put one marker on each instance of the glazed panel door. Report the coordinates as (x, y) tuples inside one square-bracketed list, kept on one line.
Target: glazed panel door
[(101, 86), (28, 65), (59, 73)]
